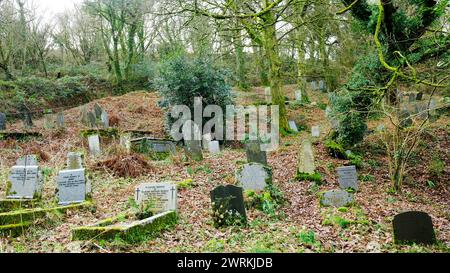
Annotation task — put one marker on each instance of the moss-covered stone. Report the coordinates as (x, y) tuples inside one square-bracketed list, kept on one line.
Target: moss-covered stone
[(132, 233)]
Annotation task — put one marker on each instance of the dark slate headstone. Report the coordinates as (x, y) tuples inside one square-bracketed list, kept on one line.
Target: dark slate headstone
[(254, 153), (419, 96), (2, 121), (227, 200), (413, 227)]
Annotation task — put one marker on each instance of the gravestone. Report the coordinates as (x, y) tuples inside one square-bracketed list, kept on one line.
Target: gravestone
[(328, 112), (60, 121), (207, 138), (322, 85), (84, 115), (94, 145), (25, 180), (412, 97), (348, 177), (92, 121), (71, 186), (337, 199), (413, 227), (293, 126), (254, 153), (98, 111), (315, 131), (419, 96), (230, 201), (314, 85), (193, 149), (125, 142), (162, 146), (104, 119), (298, 95), (49, 122), (214, 147), (2, 121), (433, 106), (161, 197), (306, 158), (254, 176), (27, 119), (74, 161), (405, 118)]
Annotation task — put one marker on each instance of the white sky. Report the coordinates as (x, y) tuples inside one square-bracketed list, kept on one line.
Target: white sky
[(49, 8)]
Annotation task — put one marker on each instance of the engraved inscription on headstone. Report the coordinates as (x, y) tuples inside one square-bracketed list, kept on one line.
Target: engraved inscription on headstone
[(71, 186), (94, 145), (254, 176), (25, 180), (161, 197), (348, 177)]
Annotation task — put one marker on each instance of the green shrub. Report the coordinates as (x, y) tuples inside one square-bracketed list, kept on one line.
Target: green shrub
[(335, 149), (316, 177)]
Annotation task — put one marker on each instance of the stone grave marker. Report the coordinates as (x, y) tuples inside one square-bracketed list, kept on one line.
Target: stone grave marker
[(60, 120), (94, 145), (412, 97), (25, 180), (214, 147), (348, 177), (161, 197), (293, 126), (2, 121), (337, 198), (74, 161), (419, 96), (104, 117), (254, 176), (49, 120), (322, 85), (162, 146), (72, 187), (298, 95), (230, 201), (268, 94), (315, 131), (92, 121), (207, 138), (314, 85), (328, 112), (405, 118), (413, 227), (98, 111), (27, 119), (254, 153), (125, 141), (84, 115), (306, 158), (193, 149)]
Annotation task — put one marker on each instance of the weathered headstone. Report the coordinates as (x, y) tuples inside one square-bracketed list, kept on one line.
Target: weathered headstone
[(162, 146), (227, 201), (412, 97), (348, 177), (322, 86), (125, 142), (419, 96), (2, 121), (268, 94), (49, 122), (254, 176), (98, 111), (254, 153), (315, 131), (74, 161), (214, 147), (84, 115), (413, 227), (26, 179), (60, 121), (293, 126), (27, 119), (71, 186), (314, 85), (160, 197), (94, 145), (298, 95), (192, 141), (104, 119), (405, 118), (328, 111), (92, 121), (306, 158), (207, 138), (337, 198)]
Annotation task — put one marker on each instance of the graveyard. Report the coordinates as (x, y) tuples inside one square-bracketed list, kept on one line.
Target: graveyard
[(304, 128)]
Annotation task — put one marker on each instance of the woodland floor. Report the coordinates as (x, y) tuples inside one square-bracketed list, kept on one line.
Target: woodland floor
[(297, 226)]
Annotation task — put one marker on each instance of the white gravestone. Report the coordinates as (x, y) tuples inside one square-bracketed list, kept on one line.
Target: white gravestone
[(214, 147), (94, 145), (254, 176), (26, 179), (298, 95), (125, 142), (348, 177), (293, 126), (161, 197), (71, 187), (315, 131)]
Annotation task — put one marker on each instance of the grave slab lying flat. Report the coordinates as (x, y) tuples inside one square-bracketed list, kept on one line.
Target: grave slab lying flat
[(131, 232)]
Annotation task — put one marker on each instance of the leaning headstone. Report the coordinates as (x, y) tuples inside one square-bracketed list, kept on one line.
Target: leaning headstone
[(336, 198), (254, 176), (293, 126), (2, 121), (254, 153), (413, 227), (94, 145), (298, 95), (315, 131), (228, 205), (74, 161), (72, 187), (60, 121), (26, 179), (159, 197), (214, 147), (306, 159), (348, 177)]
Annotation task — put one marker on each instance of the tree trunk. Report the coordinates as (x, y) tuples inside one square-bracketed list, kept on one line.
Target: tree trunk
[(240, 62)]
